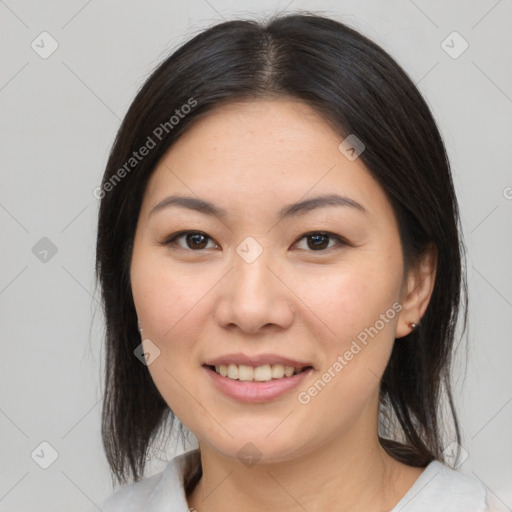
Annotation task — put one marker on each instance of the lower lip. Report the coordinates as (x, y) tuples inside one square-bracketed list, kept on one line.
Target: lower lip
[(253, 391)]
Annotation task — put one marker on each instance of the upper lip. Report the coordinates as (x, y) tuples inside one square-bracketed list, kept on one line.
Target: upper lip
[(257, 360)]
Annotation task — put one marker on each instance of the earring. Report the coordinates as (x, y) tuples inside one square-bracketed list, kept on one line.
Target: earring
[(139, 325), (412, 325)]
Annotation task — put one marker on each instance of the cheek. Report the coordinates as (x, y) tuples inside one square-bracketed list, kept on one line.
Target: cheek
[(350, 299), (165, 297), (348, 381), (359, 304), (168, 302)]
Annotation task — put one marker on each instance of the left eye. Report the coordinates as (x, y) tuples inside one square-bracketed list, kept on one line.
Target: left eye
[(197, 240), (319, 241)]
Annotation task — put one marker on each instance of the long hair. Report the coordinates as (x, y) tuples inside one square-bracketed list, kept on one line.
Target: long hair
[(358, 88)]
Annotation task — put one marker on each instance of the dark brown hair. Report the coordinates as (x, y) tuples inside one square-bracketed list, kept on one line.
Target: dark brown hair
[(358, 88)]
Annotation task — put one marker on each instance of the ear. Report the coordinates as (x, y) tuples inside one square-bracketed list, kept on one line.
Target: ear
[(417, 291)]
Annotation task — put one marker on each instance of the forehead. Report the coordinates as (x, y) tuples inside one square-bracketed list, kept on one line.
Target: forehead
[(268, 152)]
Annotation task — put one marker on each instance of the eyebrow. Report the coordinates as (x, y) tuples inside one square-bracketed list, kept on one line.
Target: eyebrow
[(292, 210)]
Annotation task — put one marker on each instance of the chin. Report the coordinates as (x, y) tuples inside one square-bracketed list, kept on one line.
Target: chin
[(257, 446)]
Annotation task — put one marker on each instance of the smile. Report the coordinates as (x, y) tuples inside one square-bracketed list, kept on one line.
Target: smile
[(252, 390), (262, 373)]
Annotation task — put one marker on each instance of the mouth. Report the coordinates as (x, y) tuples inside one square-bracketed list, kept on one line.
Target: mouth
[(249, 384), (262, 373)]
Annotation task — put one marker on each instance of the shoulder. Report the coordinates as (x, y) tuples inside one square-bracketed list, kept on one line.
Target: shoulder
[(156, 493), (132, 497), (442, 489)]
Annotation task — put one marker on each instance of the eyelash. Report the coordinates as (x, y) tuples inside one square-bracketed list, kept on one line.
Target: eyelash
[(171, 240)]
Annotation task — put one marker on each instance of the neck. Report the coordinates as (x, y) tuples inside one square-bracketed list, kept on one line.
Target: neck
[(344, 474)]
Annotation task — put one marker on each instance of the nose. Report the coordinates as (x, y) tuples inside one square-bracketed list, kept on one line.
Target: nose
[(253, 297)]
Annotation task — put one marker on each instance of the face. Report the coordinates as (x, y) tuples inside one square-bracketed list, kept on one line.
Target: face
[(250, 281)]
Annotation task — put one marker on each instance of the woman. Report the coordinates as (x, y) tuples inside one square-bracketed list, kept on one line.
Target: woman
[(280, 256)]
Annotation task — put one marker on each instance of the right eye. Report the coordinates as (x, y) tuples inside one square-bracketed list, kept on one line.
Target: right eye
[(194, 240)]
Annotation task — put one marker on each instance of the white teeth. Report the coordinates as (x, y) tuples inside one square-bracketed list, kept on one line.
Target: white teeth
[(277, 371), (232, 371), (245, 372), (263, 373), (259, 373), (288, 370)]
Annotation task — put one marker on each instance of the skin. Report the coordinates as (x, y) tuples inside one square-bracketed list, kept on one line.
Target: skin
[(253, 158)]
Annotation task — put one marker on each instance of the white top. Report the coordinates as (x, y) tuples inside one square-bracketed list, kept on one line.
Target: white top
[(438, 489)]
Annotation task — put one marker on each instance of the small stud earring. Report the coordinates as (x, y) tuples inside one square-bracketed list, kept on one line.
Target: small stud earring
[(412, 325)]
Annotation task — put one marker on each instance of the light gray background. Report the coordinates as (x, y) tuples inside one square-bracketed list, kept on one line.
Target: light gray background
[(58, 119)]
